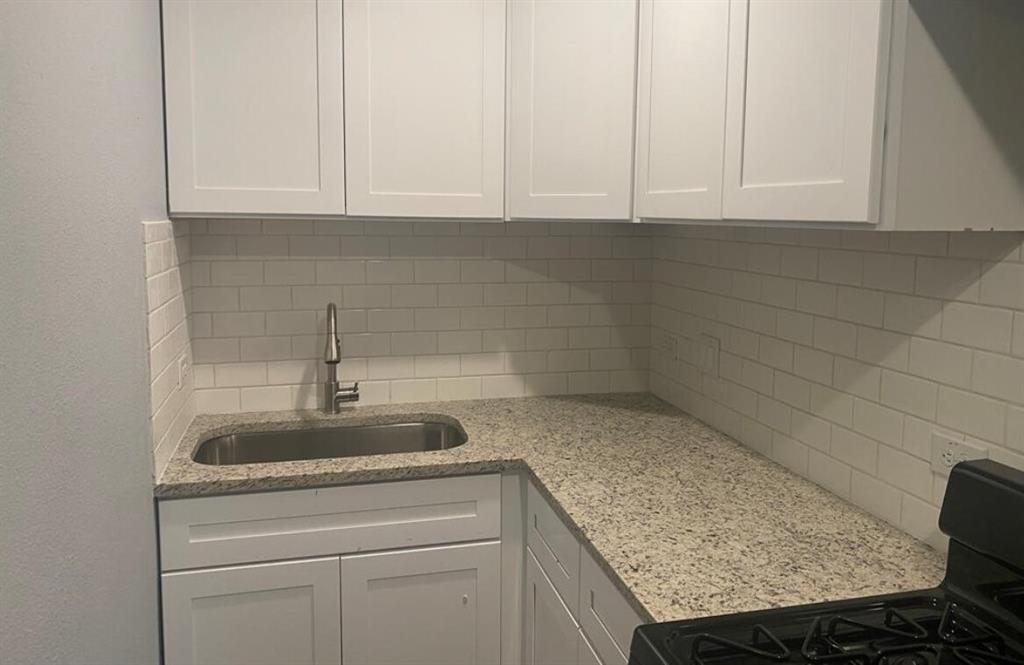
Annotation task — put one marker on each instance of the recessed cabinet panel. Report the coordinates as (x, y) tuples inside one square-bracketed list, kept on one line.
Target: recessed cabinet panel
[(606, 617), (555, 547), (433, 605), (254, 106), (264, 614), (571, 108), (425, 95), (804, 124), (550, 634), (681, 108), (587, 655)]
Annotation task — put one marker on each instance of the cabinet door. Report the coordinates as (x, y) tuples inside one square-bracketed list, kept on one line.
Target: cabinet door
[(587, 655), (681, 108), (436, 605), (804, 120), (571, 108), (550, 634), (254, 106), (425, 107), (268, 613)]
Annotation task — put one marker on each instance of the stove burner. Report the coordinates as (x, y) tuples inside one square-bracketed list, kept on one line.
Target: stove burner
[(917, 656)]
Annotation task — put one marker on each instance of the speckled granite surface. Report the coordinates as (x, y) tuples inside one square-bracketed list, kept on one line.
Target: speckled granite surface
[(691, 523)]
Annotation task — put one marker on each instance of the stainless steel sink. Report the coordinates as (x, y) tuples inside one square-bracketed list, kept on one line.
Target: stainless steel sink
[(322, 443)]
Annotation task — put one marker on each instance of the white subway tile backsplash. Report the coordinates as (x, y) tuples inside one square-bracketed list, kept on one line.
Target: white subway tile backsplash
[(265, 298), (207, 350), (895, 336), (841, 267), (876, 497), (816, 298), (949, 279), (976, 415), (889, 272), (238, 324), (977, 326), (215, 299), (459, 388), (909, 394), (265, 348), (289, 272), (882, 348)]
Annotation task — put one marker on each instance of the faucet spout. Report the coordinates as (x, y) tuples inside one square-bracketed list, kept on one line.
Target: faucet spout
[(332, 352)]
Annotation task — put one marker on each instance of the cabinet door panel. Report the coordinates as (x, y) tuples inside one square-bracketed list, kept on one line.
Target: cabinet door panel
[(254, 106), (805, 101), (263, 614), (435, 605), (681, 108), (555, 547), (571, 108), (425, 93), (587, 655), (606, 617), (550, 634)]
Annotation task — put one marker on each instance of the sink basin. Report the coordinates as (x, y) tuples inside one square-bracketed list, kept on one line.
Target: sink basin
[(325, 442)]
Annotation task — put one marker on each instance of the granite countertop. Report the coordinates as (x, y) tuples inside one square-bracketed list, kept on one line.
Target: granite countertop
[(689, 521)]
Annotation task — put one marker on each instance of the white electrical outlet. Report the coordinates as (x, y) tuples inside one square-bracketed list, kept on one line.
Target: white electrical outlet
[(710, 348), (183, 369), (947, 452)]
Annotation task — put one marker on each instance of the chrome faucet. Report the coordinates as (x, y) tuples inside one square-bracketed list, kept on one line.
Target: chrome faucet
[(333, 392)]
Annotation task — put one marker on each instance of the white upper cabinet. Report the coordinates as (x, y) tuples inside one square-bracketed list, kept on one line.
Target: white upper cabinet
[(681, 108), (806, 94), (254, 107), (425, 107), (571, 108)]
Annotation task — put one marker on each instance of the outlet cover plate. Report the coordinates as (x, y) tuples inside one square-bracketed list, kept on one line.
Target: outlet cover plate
[(183, 369), (710, 348), (948, 452)]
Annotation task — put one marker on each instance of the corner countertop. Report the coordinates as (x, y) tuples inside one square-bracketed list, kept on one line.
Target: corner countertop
[(689, 522)]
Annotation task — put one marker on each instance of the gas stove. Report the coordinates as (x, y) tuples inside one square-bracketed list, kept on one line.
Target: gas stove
[(974, 617)]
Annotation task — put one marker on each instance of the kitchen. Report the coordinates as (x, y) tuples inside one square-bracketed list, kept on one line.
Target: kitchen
[(510, 325)]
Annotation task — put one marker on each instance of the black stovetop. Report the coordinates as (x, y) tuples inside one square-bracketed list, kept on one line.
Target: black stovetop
[(976, 617), (904, 629)]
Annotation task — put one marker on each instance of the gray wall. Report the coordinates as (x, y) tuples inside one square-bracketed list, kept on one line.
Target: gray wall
[(81, 163)]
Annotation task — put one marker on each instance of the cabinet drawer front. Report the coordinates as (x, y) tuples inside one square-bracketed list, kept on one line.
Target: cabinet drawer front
[(555, 547), (214, 531), (606, 617)]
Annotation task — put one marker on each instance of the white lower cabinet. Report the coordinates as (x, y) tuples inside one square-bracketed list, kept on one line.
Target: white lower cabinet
[(587, 655), (438, 605), (405, 573), (550, 633), (573, 611), (268, 613)]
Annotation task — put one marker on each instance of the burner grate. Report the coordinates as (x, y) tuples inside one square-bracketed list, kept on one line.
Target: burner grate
[(825, 642), (973, 656), (763, 644)]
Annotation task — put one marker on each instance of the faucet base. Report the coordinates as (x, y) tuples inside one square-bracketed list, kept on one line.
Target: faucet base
[(334, 394)]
